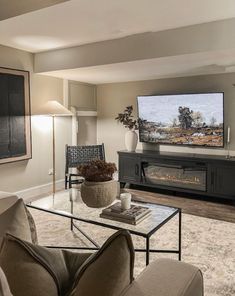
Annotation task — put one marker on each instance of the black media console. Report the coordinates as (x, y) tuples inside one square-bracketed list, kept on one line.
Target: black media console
[(207, 175)]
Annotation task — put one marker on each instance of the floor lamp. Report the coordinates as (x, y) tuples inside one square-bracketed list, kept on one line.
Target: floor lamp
[(53, 109)]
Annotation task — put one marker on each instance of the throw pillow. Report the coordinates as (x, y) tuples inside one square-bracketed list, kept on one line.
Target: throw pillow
[(109, 271), (53, 272), (31, 268), (32, 226)]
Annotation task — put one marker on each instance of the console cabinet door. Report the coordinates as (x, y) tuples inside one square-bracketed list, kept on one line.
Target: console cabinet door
[(224, 180), (129, 169)]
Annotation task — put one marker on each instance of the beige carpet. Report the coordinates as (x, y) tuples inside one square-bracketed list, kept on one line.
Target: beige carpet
[(206, 243)]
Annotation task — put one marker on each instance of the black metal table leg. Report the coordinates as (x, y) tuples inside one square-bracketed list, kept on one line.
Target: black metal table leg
[(147, 250), (71, 199), (71, 224), (180, 220), (86, 236)]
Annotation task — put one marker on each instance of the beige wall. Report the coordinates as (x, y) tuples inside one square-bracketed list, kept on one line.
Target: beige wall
[(22, 175), (113, 98), (82, 96), (87, 130)]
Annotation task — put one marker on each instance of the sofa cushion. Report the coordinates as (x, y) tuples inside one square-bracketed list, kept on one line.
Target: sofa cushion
[(14, 220), (31, 268), (4, 287), (110, 270)]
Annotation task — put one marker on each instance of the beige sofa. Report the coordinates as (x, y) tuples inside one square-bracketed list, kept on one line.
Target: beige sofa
[(6, 200), (164, 277)]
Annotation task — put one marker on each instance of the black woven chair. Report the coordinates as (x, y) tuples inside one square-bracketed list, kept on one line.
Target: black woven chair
[(77, 155)]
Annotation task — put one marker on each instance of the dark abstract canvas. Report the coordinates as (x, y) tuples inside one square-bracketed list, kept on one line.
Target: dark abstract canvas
[(15, 130)]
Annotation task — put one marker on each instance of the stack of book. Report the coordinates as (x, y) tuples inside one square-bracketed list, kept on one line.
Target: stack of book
[(132, 216)]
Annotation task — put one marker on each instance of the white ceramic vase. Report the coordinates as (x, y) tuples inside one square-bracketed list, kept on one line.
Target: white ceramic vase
[(131, 140)]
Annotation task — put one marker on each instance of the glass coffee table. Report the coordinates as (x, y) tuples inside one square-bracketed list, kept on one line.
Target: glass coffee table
[(68, 204)]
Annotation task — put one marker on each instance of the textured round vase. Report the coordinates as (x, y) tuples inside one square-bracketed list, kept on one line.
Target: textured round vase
[(99, 194), (131, 140)]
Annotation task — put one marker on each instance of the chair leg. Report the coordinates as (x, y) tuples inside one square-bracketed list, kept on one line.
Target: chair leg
[(66, 182)]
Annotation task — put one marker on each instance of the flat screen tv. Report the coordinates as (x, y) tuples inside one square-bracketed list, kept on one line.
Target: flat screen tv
[(182, 119)]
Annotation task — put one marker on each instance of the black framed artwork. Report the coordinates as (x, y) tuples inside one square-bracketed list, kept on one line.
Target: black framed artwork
[(15, 114)]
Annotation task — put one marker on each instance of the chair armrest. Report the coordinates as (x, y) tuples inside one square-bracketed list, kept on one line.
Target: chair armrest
[(166, 277)]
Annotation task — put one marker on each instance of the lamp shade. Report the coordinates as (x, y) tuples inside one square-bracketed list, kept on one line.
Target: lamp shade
[(53, 108)]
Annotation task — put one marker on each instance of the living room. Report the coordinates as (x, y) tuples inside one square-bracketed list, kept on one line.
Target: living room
[(95, 69)]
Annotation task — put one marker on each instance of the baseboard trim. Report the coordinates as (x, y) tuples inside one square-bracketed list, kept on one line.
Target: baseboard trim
[(38, 190)]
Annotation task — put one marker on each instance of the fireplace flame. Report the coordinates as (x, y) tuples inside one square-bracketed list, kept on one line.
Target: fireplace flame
[(174, 178)]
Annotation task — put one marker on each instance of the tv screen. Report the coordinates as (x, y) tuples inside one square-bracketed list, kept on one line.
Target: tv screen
[(186, 119)]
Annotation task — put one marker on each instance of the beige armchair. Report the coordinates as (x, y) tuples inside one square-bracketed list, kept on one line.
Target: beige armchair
[(88, 275)]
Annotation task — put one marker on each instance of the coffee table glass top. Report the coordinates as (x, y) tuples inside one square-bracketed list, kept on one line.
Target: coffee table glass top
[(69, 204)]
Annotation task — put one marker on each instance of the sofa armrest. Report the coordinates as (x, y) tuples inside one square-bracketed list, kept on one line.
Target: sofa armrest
[(7, 199), (4, 287), (166, 277)]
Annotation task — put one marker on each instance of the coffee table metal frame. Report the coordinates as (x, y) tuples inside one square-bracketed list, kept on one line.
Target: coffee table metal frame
[(147, 236)]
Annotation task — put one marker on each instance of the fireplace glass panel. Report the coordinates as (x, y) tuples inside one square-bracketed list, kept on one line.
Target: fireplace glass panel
[(189, 177)]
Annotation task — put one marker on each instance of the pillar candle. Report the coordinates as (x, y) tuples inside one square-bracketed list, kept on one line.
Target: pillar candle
[(125, 201)]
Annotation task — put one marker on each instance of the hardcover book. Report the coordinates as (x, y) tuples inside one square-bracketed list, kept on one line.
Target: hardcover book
[(134, 215)]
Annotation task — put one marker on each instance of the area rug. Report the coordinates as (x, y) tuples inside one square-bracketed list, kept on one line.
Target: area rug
[(206, 243)]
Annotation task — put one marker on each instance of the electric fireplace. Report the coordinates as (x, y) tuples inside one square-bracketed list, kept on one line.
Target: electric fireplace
[(174, 175)]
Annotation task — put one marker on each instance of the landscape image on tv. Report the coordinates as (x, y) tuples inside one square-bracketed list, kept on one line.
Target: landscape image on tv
[(187, 119)]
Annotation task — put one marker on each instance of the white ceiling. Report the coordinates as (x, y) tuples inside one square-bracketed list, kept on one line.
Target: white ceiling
[(176, 66), (79, 22)]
